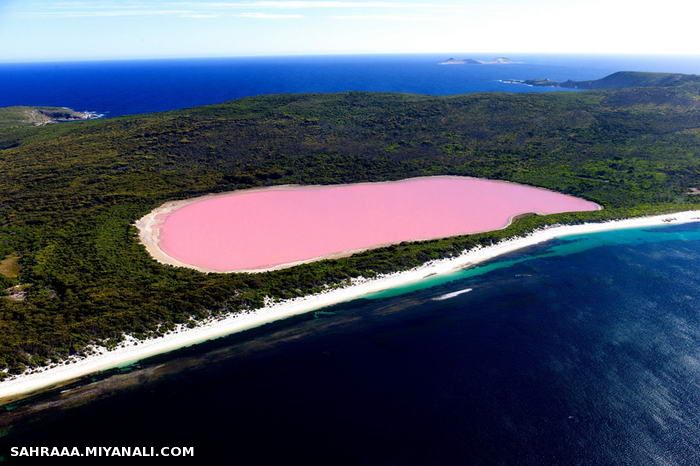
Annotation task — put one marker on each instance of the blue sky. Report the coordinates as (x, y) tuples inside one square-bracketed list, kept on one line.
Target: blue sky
[(103, 29)]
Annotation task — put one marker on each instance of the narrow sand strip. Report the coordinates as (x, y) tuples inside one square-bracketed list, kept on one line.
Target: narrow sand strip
[(243, 321)]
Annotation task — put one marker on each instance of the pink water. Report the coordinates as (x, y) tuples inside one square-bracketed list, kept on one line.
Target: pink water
[(259, 229)]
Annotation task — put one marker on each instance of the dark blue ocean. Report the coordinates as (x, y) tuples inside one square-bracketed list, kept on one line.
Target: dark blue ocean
[(128, 87), (584, 350)]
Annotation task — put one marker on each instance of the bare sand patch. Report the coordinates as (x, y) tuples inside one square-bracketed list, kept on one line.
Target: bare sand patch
[(9, 266)]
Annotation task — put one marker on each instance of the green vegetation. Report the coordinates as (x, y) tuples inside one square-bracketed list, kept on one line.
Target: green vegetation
[(17, 122), (11, 117), (623, 80), (69, 193), (631, 79)]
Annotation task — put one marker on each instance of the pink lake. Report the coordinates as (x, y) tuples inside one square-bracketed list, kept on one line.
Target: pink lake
[(272, 227)]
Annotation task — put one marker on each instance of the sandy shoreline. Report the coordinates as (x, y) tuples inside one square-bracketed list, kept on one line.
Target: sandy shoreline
[(35, 381), (149, 226)]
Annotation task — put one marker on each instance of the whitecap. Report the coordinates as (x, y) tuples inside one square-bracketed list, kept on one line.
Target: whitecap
[(452, 295)]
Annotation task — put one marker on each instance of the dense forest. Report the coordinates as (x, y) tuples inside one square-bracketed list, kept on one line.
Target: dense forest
[(73, 273)]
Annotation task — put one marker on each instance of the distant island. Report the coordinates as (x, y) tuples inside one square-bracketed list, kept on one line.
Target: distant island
[(619, 80), (471, 61)]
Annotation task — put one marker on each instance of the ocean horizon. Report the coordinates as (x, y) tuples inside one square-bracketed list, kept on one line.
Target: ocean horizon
[(124, 87)]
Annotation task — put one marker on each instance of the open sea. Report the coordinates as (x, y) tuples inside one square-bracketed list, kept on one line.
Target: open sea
[(128, 87), (584, 350)]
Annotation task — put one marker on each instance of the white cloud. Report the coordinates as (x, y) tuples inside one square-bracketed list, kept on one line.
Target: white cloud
[(190, 13), (409, 18), (117, 13), (79, 7), (75, 9), (201, 16), (356, 26), (260, 15), (310, 4)]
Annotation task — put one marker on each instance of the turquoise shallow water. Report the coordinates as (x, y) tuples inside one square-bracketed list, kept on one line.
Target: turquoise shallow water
[(571, 244)]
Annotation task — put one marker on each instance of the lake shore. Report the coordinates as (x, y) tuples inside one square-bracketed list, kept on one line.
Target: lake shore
[(438, 207), (133, 351)]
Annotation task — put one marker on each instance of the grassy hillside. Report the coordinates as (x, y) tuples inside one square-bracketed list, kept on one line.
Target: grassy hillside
[(37, 116), (628, 79), (17, 123), (69, 194)]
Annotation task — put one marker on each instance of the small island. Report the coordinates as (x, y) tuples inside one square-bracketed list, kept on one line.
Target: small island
[(472, 61), (460, 61)]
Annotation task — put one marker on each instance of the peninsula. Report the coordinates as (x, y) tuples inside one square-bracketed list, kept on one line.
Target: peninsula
[(40, 116), (619, 80)]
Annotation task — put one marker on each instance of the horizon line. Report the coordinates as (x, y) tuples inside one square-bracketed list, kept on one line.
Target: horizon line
[(335, 54)]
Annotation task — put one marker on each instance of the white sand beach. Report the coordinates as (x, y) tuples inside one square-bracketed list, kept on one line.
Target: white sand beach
[(137, 350)]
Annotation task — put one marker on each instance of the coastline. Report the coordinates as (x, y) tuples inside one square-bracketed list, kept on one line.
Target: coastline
[(132, 351), (149, 225)]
